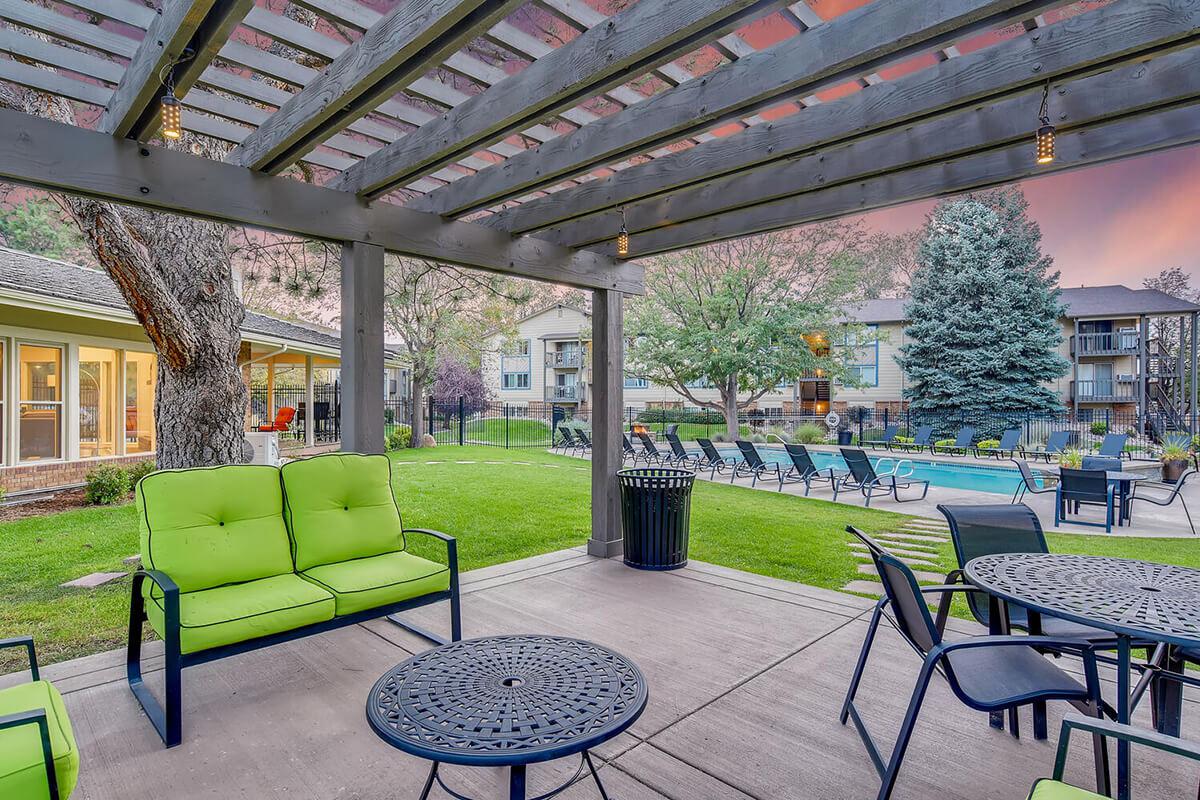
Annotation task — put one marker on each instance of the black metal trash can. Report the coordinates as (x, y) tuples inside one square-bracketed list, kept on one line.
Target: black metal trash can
[(656, 505), (845, 437)]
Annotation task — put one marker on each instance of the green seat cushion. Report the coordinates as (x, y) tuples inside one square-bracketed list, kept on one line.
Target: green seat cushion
[(1046, 789), (379, 580), (339, 507), (216, 526), (22, 768), (243, 611)]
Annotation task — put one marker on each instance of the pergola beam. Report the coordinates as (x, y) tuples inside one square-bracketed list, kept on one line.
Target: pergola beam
[(202, 26), (1129, 136), (399, 48), (53, 156), (632, 42), (1097, 40), (850, 45)]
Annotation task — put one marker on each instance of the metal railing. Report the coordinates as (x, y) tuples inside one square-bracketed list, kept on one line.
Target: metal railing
[(1107, 344), (565, 359), (1116, 390), (563, 394)]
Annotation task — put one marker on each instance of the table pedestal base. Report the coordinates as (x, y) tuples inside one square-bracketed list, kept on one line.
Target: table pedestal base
[(516, 782)]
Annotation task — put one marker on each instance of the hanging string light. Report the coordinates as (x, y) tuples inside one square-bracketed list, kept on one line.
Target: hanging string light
[(172, 127), (1045, 133), (623, 237)]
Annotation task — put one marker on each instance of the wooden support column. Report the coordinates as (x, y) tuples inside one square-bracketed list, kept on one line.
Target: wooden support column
[(310, 437), (608, 370), (362, 347), (271, 391)]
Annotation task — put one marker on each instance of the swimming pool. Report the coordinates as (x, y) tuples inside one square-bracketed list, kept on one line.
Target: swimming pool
[(997, 480)]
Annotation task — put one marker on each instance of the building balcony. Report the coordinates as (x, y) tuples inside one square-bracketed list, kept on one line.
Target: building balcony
[(1118, 343), (565, 359), (562, 394), (1118, 390)]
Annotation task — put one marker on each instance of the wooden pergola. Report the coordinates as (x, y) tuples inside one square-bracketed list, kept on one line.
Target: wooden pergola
[(526, 170)]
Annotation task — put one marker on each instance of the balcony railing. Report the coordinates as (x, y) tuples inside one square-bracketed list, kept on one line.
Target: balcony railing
[(1117, 390), (1107, 344), (562, 394), (564, 359)]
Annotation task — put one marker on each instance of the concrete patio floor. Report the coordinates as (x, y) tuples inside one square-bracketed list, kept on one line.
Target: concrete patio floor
[(746, 676)]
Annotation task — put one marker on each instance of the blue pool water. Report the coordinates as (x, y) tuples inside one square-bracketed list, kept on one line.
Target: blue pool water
[(998, 480)]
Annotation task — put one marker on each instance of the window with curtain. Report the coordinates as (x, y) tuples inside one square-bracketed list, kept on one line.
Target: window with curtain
[(39, 403), (141, 374)]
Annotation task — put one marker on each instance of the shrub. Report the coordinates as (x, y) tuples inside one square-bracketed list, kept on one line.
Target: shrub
[(389, 416), (758, 438), (718, 437), (399, 438), (811, 433), (1173, 452), (428, 441), (1072, 459), (944, 443), (903, 439), (106, 485), (777, 430), (989, 444), (3, 493), (1099, 428), (139, 470)]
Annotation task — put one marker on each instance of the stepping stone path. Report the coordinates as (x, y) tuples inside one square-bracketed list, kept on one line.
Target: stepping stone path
[(94, 580), (916, 543)]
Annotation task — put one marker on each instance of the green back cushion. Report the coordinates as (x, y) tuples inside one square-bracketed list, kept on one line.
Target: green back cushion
[(340, 506), (210, 527)]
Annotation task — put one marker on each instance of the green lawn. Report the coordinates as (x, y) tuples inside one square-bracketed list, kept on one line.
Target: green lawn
[(530, 502), (514, 432)]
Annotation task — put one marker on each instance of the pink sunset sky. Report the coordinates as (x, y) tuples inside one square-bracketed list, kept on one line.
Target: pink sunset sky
[(1113, 223)]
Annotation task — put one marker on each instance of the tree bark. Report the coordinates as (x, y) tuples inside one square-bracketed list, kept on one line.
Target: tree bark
[(419, 389), (729, 400)]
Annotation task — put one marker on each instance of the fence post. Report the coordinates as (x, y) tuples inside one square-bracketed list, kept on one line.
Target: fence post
[(462, 422), (506, 428), (429, 416)]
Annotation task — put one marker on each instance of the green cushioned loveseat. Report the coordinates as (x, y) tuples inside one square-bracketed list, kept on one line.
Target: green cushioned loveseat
[(38, 756), (241, 557)]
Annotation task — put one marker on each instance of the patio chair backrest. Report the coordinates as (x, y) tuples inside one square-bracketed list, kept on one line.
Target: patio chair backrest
[(889, 433), (908, 605), (566, 434), (965, 435), (924, 434), (709, 450), (1105, 463), (1113, 444), (1083, 484), (1057, 442), (676, 445), (1010, 439), (648, 444), (750, 453), (984, 530), (801, 459), (875, 547), (859, 465), (1027, 474), (584, 439), (626, 445)]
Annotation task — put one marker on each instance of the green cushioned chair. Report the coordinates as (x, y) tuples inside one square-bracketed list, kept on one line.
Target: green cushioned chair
[(233, 562), (38, 756), (1055, 789)]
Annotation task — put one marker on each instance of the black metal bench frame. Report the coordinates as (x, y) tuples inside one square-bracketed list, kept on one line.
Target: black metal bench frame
[(168, 722)]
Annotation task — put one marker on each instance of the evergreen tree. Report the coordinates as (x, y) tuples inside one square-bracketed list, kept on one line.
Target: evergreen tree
[(983, 327)]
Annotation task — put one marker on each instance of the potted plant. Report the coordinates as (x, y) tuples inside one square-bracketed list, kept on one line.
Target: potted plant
[(1071, 459), (1174, 462)]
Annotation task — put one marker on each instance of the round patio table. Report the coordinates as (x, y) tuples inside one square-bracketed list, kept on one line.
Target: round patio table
[(507, 701), (1138, 600)]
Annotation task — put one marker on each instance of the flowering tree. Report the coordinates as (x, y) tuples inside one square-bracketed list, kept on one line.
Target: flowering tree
[(455, 379)]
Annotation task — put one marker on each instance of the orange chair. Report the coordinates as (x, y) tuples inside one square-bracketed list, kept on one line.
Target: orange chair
[(283, 418)]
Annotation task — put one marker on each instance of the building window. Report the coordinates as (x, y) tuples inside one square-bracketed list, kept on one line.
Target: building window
[(861, 352), (514, 366), (635, 383), (3, 402), (39, 403), (98, 401), (699, 383), (141, 375)]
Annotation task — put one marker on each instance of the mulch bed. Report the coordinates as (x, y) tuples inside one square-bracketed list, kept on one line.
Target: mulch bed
[(62, 501)]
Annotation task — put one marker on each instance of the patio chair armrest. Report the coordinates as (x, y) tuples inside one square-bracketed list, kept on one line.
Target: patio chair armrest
[(942, 589), (1126, 733), (36, 717), (27, 643), (170, 591), (1082, 646), (451, 545)]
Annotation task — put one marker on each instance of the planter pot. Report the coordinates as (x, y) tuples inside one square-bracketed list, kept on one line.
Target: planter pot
[(1172, 470)]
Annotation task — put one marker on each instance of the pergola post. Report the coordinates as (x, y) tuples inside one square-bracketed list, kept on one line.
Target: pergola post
[(310, 438), (362, 348), (608, 371)]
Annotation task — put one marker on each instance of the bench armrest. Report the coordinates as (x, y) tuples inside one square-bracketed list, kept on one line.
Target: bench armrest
[(451, 545), (36, 717), (170, 592), (27, 643)]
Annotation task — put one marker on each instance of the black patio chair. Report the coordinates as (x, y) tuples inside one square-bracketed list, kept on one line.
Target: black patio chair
[(961, 446), (584, 439), (752, 465), (804, 471), (1173, 493), (1084, 487), (1114, 446), (651, 453), (683, 457), (713, 461), (986, 673), (1106, 463), (921, 440), (884, 442), (1055, 444), (862, 476), (627, 451), (570, 443), (1030, 479), (1009, 442)]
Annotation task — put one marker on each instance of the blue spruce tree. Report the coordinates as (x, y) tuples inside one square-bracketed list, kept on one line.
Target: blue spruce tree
[(983, 331)]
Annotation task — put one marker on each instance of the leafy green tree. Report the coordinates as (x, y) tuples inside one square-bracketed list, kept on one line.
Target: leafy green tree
[(37, 226), (742, 315), (983, 327)]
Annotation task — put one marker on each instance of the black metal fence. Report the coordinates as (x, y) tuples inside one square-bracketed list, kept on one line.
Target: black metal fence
[(327, 411)]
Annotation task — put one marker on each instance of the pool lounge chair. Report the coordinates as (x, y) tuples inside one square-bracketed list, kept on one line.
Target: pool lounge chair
[(752, 465), (865, 479), (713, 461), (805, 471), (922, 440), (683, 458), (584, 440), (1113, 446), (1055, 444), (570, 443), (1009, 444), (627, 451), (884, 442), (961, 446)]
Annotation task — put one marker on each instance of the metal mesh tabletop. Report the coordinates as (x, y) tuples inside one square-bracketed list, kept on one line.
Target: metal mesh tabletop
[(507, 700), (1134, 598)]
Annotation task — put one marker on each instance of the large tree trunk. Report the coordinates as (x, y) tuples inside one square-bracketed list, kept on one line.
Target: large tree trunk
[(419, 388), (729, 401)]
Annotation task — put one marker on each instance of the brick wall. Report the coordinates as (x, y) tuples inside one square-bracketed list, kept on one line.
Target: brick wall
[(60, 473)]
